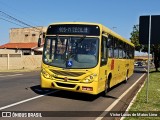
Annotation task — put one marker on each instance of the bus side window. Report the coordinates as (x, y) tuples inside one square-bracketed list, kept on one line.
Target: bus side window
[(127, 51), (110, 42), (104, 51), (131, 52), (124, 51), (116, 48), (121, 49)]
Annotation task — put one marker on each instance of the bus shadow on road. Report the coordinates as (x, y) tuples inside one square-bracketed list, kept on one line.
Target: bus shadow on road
[(109, 96), (71, 95), (75, 95), (110, 90), (38, 90), (64, 94)]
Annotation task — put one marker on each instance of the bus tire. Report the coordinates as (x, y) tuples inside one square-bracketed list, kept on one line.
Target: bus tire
[(126, 78), (107, 86)]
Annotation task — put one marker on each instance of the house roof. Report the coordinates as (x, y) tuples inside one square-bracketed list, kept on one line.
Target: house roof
[(19, 45)]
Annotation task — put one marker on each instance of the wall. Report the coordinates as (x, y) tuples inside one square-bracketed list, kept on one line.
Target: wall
[(9, 51), (17, 61), (25, 35)]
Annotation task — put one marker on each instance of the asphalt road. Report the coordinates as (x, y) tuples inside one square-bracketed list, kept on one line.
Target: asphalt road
[(20, 94)]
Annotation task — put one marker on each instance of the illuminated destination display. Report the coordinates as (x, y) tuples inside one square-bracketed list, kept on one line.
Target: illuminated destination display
[(73, 29)]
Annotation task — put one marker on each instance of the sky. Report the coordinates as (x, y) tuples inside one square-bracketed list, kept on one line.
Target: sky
[(118, 15)]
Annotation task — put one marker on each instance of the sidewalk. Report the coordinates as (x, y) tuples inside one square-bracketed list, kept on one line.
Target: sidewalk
[(20, 70)]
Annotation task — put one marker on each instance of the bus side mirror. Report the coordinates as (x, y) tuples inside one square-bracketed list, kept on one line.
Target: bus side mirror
[(39, 42), (103, 60)]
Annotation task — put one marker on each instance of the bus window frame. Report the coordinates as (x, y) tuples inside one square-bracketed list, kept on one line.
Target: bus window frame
[(104, 50)]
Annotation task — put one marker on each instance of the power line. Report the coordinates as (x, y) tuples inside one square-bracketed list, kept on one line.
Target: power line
[(15, 19), (11, 22)]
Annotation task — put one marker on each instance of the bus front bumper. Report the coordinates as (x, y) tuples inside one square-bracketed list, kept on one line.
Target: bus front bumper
[(90, 88)]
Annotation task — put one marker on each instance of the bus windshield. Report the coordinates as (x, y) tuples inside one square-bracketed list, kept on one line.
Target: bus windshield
[(71, 52)]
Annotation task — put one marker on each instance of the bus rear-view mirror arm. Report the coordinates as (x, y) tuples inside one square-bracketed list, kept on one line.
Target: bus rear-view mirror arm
[(39, 42)]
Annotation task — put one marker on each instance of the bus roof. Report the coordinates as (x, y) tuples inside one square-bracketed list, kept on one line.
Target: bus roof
[(102, 27), (109, 31), (87, 23)]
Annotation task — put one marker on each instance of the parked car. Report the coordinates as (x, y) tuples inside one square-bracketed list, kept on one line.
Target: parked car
[(135, 64), (139, 63)]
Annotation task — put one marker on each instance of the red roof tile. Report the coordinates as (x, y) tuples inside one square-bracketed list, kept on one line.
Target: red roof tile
[(19, 45)]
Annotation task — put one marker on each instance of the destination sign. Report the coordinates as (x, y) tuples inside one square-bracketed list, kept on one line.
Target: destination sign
[(74, 29)]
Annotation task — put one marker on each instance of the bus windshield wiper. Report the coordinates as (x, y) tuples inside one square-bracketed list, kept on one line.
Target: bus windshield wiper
[(82, 38)]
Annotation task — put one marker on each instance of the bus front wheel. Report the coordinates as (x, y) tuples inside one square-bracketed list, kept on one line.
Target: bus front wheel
[(126, 78), (107, 83)]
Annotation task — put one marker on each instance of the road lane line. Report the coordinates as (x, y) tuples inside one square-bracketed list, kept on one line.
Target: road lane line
[(11, 75), (23, 101), (116, 101)]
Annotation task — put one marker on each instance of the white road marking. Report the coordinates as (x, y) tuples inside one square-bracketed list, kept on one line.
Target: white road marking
[(145, 69), (11, 75), (23, 101), (116, 101)]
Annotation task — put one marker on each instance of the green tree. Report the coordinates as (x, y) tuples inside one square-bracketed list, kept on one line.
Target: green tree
[(155, 49), (135, 38)]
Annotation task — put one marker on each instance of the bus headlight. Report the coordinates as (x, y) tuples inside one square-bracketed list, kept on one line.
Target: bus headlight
[(45, 74), (89, 79)]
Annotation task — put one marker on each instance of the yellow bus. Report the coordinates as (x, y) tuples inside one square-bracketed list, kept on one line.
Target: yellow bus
[(85, 57)]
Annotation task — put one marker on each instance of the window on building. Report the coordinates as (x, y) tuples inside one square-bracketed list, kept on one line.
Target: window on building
[(33, 34), (26, 35)]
